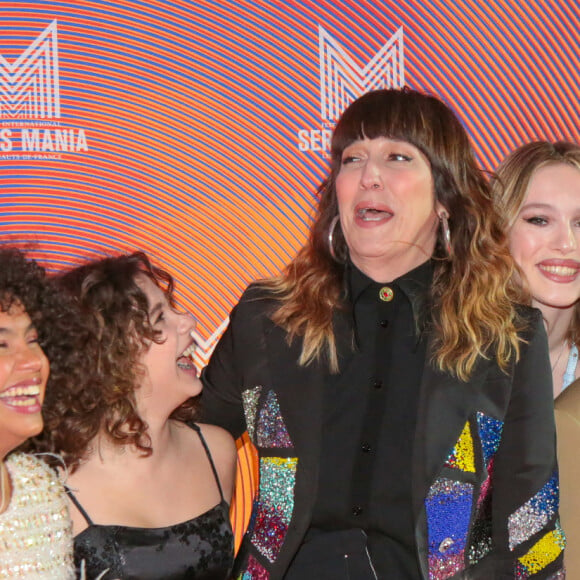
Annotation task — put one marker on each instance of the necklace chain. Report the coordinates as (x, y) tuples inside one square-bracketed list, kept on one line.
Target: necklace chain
[(564, 344)]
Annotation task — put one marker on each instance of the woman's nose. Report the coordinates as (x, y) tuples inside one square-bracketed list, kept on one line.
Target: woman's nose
[(187, 323), (566, 240), (31, 358), (371, 177)]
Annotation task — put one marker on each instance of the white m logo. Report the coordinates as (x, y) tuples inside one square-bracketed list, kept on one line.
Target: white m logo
[(342, 80), (30, 86)]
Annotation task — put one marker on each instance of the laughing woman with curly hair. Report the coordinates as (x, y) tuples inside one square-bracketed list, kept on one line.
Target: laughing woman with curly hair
[(149, 489), (41, 346)]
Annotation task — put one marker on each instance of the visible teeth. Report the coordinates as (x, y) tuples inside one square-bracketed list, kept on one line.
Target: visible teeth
[(190, 350), (32, 391), (559, 270), (370, 214), (23, 402)]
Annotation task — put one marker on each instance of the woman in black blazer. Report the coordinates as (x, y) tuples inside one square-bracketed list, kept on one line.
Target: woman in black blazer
[(399, 401)]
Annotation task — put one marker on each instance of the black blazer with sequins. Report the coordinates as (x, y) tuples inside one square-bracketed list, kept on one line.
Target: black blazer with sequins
[(485, 484)]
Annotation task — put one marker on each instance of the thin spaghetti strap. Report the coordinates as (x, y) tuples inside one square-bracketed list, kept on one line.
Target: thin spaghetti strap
[(570, 372), (207, 452), (79, 506)]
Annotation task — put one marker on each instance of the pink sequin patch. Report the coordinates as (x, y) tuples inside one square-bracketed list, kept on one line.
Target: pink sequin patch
[(254, 571)]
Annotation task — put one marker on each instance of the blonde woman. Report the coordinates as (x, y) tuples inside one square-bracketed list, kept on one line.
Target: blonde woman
[(538, 192)]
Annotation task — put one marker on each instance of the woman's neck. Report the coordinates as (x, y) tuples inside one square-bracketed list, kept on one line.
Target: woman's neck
[(162, 438), (557, 321)]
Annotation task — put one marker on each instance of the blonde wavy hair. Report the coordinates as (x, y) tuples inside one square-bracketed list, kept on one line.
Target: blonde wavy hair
[(510, 188), (472, 293)]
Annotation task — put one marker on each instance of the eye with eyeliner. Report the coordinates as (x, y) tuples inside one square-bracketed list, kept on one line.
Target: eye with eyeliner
[(536, 220)]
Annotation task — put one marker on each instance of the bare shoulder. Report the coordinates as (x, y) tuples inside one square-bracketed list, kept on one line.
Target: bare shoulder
[(223, 451), (217, 437)]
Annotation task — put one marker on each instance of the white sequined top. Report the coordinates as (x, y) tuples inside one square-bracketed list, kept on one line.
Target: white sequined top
[(35, 530)]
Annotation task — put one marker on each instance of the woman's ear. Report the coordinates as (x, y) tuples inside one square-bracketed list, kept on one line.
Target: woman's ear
[(440, 210)]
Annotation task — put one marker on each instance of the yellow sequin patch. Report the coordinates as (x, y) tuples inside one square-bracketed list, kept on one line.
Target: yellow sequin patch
[(544, 551), (463, 456)]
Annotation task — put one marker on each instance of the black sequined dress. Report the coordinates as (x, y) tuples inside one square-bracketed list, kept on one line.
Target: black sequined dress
[(200, 548)]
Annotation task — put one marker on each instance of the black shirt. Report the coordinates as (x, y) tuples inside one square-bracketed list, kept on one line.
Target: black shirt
[(369, 422)]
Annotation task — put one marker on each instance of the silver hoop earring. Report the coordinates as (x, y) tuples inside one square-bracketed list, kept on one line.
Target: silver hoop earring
[(331, 238), (446, 233)]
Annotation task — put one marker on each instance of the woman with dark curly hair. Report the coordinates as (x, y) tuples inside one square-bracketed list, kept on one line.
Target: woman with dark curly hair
[(39, 335), (398, 397), (149, 488)]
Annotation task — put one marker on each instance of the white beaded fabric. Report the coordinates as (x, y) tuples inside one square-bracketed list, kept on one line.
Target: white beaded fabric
[(35, 530)]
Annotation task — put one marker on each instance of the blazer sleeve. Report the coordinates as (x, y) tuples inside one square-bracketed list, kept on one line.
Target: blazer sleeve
[(230, 366), (526, 527)]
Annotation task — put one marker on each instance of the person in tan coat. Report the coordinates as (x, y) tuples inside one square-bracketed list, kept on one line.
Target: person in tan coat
[(567, 410)]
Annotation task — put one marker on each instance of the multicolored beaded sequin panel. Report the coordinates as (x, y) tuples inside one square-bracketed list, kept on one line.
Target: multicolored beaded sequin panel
[(264, 421), (489, 430), (462, 455), (274, 505), (271, 430), (541, 554), (254, 571), (449, 504), (448, 507), (534, 514), (480, 542), (275, 501), (250, 398)]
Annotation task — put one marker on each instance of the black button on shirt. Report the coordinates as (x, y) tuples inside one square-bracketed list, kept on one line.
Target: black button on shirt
[(369, 423)]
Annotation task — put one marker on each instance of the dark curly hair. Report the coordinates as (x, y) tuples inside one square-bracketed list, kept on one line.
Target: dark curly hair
[(61, 333), (117, 311)]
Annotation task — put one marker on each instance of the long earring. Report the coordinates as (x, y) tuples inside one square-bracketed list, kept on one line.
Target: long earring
[(446, 233), (331, 238)]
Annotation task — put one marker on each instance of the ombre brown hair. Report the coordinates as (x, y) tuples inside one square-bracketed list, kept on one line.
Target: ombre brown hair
[(115, 307), (472, 293), (510, 188)]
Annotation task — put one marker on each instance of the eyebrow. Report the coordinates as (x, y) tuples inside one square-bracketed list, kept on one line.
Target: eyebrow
[(536, 206), (6, 330)]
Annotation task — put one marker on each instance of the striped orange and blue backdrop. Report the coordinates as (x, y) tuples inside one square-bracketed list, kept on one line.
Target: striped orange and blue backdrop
[(196, 130)]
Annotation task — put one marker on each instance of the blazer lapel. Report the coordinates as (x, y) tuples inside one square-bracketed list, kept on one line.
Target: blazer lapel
[(445, 404)]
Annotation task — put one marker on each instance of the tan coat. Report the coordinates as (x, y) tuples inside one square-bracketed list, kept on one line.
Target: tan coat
[(567, 408)]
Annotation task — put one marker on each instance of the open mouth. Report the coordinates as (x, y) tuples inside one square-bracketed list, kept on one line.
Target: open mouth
[(185, 359), (21, 396), (371, 214), (559, 270)]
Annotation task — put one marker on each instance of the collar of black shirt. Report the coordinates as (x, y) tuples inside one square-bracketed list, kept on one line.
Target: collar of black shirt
[(415, 284)]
